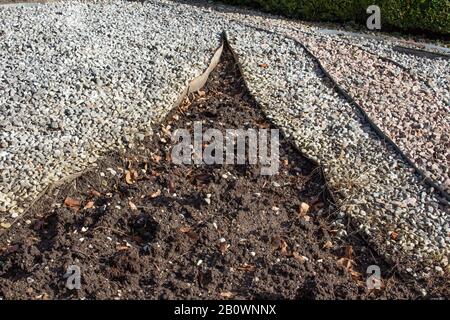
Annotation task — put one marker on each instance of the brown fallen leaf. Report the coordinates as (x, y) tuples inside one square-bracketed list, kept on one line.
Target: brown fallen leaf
[(155, 194), (156, 158), (227, 294), (263, 65), (189, 232), (185, 229), (297, 256), (303, 209), (349, 252), (95, 193), (247, 267), (131, 176), (72, 203), (122, 248), (356, 276), (89, 205), (328, 245), (223, 247), (263, 125), (347, 264), (283, 247), (394, 235), (171, 186)]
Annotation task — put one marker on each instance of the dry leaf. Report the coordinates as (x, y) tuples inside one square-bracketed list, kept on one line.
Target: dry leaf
[(89, 205), (347, 264), (263, 65), (122, 248), (303, 209), (356, 275), (246, 267), (156, 158), (171, 186), (184, 229), (349, 252), (283, 246), (227, 294), (131, 176), (223, 247), (132, 206), (72, 203), (201, 93), (299, 257), (155, 194), (394, 235), (328, 245)]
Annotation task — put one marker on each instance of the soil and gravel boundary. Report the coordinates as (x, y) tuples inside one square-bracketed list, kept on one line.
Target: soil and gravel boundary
[(141, 227)]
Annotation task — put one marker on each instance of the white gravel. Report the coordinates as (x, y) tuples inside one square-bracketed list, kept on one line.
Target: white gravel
[(77, 79)]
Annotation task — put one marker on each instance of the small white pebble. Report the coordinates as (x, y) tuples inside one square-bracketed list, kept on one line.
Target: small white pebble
[(84, 229), (222, 240), (199, 262), (81, 239), (253, 253)]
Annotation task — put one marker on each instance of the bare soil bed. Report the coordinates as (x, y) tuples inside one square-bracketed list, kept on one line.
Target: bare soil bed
[(141, 227)]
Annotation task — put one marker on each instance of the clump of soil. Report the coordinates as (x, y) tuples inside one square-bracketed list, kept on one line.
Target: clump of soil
[(139, 226)]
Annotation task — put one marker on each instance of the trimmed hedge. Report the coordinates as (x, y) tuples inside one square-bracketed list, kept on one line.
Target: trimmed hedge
[(431, 16)]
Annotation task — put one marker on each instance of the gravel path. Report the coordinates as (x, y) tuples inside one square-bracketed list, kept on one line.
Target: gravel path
[(75, 82)]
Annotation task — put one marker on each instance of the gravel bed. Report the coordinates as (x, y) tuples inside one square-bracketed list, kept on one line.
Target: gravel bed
[(74, 82), (372, 182)]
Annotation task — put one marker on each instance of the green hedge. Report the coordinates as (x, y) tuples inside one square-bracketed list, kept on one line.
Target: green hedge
[(407, 15)]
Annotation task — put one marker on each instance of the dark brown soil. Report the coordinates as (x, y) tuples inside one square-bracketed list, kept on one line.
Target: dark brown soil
[(148, 233)]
